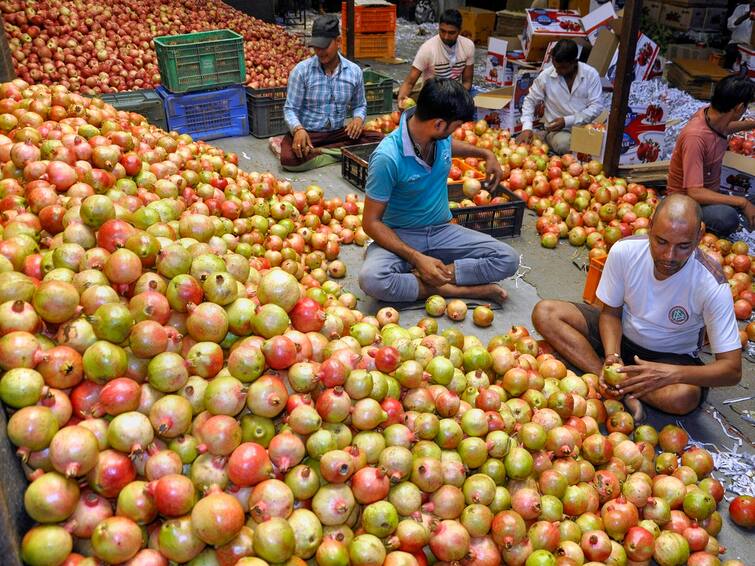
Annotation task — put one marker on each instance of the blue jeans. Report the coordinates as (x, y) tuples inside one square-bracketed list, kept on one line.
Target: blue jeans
[(478, 259), (721, 219)]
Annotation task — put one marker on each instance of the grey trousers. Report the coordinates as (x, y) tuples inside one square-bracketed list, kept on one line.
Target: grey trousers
[(478, 259)]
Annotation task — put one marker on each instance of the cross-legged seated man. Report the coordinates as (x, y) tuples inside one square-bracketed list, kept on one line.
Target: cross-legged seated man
[(659, 293), (321, 90), (416, 250)]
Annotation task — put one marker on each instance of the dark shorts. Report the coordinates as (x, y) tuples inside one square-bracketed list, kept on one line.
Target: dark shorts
[(629, 349)]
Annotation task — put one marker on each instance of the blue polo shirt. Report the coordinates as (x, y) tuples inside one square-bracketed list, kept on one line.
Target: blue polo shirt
[(417, 194)]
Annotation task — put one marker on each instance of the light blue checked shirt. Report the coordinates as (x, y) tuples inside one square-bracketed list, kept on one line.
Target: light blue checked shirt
[(319, 102)]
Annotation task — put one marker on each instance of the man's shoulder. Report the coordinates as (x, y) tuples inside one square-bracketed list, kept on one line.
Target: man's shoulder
[(466, 44), (350, 66), (388, 152), (631, 246), (303, 65), (710, 266), (589, 71)]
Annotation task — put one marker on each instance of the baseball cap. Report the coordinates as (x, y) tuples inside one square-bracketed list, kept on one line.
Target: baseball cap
[(324, 30)]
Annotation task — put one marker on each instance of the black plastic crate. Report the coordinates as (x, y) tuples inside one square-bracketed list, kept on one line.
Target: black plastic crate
[(355, 159), (497, 220), (145, 102), (265, 106)]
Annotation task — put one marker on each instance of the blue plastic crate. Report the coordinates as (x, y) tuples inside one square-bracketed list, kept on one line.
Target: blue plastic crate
[(207, 115)]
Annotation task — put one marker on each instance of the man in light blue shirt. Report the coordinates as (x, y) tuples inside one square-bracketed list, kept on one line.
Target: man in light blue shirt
[(416, 251), (321, 91)]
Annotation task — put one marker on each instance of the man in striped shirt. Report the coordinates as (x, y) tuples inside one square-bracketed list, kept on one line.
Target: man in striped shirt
[(447, 55), (321, 91)]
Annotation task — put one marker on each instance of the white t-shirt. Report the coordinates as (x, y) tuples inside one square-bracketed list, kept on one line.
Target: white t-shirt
[(740, 33), (435, 59), (670, 315)]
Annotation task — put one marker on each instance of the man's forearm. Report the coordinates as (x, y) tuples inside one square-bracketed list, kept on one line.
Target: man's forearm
[(720, 373), (741, 126), (385, 237), (610, 333), (709, 196), (463, 149), (405, 90)]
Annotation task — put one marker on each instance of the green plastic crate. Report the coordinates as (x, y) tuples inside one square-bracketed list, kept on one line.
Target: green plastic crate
[(379, 92), (145, 102), (202, 60)]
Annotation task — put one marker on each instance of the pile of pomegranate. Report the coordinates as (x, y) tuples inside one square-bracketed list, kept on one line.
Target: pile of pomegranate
[(738, 267), (574, 200), (103, 47), (742, 143), (185, 383), (385, 123)]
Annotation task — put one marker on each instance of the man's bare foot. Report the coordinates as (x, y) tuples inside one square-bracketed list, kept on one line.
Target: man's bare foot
[(494, 292), (635, 408)]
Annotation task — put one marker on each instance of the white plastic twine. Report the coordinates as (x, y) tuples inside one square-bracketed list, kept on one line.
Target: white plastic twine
[(734, 469), (521, 271)]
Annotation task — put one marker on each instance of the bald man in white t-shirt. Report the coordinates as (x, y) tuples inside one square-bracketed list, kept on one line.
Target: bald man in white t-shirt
[(660, 293), (447, 55)]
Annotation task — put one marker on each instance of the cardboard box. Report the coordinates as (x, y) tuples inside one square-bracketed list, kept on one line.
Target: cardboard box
[(517, 5), (477, 24), (747, 61), (738, 174), (683, 17), (712, 3), (495, 63), (509, 23), (697, 77), (503, 106), (581, 6), (646, 63), (545, 26), (715, 19), (644, 129), (504, 58), (651, 9)]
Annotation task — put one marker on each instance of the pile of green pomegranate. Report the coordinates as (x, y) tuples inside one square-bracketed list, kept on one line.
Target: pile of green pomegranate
[(186, 385)]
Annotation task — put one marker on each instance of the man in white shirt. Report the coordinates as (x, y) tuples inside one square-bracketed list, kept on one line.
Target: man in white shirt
[(571, 92), (740, 26), (659, 294), (447, 55)]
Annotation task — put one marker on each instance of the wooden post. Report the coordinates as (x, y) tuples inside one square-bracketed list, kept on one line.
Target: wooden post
[(7, 72), (630, 27), (350, 29)]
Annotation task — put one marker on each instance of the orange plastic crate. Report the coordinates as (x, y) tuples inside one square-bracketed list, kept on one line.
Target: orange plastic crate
[(593, 279), (371, 19), (372, 45)]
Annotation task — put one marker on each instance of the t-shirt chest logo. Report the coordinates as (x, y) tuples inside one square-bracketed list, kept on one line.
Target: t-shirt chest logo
[(678, 315)]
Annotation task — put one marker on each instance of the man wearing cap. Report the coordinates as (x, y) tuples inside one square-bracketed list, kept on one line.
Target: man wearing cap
[(321, 90)]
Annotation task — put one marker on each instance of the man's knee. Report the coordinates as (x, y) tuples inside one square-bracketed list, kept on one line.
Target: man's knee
[(677, 399), (721, 219), (506, 259), (545, 311), (374, 284)]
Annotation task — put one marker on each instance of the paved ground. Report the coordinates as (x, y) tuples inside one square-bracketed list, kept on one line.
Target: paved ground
[(552, 274)]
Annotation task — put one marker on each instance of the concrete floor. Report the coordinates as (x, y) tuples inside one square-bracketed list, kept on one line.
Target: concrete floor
[(552, 274)]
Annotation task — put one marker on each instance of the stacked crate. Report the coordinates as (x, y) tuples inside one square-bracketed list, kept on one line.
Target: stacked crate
[(202, 89), (374, 30)]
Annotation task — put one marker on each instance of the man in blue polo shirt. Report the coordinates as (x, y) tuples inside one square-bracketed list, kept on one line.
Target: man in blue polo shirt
[(416, 251)]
